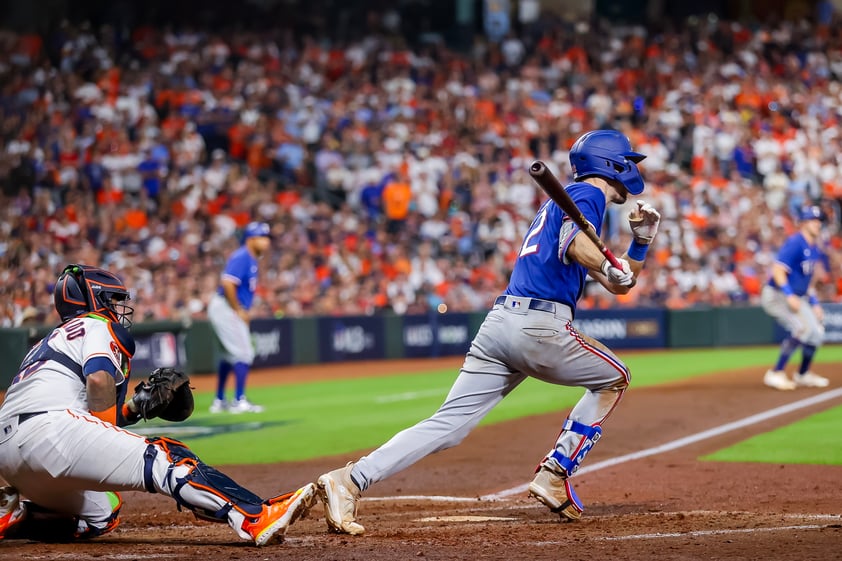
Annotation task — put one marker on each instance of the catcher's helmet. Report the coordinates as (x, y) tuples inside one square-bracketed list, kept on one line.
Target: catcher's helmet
[(607, 154), (81, 289)]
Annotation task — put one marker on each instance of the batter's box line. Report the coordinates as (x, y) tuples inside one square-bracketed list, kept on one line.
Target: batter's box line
[(703, 533)]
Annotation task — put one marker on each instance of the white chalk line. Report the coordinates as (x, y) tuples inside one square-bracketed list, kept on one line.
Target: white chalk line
[(660, 449), (692, 439), (702, 533)]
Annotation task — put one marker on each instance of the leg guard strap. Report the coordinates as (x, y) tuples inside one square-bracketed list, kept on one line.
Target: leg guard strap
[(591, 436), (203, 479)]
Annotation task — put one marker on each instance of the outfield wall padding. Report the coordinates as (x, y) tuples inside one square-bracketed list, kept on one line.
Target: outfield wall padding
[(288, 341)]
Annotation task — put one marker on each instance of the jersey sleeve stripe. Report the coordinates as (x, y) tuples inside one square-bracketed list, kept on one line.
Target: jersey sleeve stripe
[(232, 278)]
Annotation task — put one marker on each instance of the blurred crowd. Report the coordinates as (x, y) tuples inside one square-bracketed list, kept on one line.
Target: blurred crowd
[(394, 175)]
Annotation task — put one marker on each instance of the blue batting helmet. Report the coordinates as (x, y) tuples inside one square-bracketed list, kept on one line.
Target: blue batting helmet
[(812, 213), (607, 154), (255, 229)]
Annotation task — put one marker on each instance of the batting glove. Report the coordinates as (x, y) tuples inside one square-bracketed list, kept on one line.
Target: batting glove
[(644, 221), (623, 277)]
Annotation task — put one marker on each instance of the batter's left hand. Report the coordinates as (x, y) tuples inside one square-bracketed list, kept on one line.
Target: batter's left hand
[(623, 277), (644, 221)]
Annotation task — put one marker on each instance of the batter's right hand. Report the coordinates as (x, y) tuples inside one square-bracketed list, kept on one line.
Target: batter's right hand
[(623, 277)]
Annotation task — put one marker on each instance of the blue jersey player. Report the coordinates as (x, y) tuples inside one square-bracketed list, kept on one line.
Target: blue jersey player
[(228, 312), (528, 332), (790, 298)]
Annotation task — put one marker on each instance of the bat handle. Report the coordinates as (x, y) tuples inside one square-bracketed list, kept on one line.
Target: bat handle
[(615, 263), (611, 258)]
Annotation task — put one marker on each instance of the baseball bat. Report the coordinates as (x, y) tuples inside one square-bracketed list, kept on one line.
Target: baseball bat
[(553, 187)]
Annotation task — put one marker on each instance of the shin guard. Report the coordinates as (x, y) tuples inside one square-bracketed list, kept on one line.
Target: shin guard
[(194, 485), (590, 436)]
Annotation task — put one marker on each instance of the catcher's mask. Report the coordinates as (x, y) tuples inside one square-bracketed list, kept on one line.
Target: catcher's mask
[(82, 289), (607, 154)]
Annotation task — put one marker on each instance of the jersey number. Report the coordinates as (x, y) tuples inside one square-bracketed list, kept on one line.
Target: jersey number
[(36, 355), (528, 248)]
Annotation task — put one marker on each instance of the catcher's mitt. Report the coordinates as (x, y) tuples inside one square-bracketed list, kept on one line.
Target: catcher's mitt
[(166, 395)]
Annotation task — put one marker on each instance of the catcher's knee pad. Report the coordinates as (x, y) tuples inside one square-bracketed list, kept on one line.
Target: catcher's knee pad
[(590, 436), (194, 485)]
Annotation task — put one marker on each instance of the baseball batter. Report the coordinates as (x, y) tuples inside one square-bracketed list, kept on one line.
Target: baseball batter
[(528, 332), (790, 299), (228, 312), (62, 441)]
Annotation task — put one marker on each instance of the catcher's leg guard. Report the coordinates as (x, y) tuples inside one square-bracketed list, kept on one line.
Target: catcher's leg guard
[(173, 469), (569, 465)]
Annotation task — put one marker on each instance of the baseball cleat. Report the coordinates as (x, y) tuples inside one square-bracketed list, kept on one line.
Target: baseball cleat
[(778, 379), (557, 493), (279, 514), (219, 406), (341, 496), (12, 510), (243, 405), (810, 380)]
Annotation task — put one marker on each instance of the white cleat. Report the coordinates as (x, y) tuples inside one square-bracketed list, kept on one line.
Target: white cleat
[(810, 380), (244, 406), (219, 406), (340, 495), (778, 379)]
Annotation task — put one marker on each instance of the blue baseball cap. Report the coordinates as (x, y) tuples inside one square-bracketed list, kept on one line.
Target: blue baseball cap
[(812, 213), (256, 229)]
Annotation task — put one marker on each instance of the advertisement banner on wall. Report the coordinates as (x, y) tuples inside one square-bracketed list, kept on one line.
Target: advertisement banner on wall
[(351, 338), (158, 350), (436, 335), (638, 328), (272, 340)]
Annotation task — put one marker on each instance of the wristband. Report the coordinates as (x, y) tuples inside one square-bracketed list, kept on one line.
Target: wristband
[(637, 250), (786, 289), (813, 300), (109, 415)]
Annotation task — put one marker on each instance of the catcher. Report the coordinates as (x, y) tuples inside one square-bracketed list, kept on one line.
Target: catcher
[(62, 441)]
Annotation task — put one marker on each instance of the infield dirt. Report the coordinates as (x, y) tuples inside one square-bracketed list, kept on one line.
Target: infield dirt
[(665, 506)]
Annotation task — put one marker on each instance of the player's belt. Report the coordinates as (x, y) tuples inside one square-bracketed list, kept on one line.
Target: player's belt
[(24, 416), (534, 304)]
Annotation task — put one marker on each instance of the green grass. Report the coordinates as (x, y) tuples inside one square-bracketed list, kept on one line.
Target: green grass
[(814, 440), (308, 420)]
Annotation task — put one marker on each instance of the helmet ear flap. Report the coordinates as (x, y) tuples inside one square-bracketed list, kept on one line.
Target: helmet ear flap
[(71, 295)]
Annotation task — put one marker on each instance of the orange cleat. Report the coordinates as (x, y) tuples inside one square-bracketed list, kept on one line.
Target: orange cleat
[(278, 514)]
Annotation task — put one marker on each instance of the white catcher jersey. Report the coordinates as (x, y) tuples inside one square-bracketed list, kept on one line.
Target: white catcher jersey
[(48, 385)]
